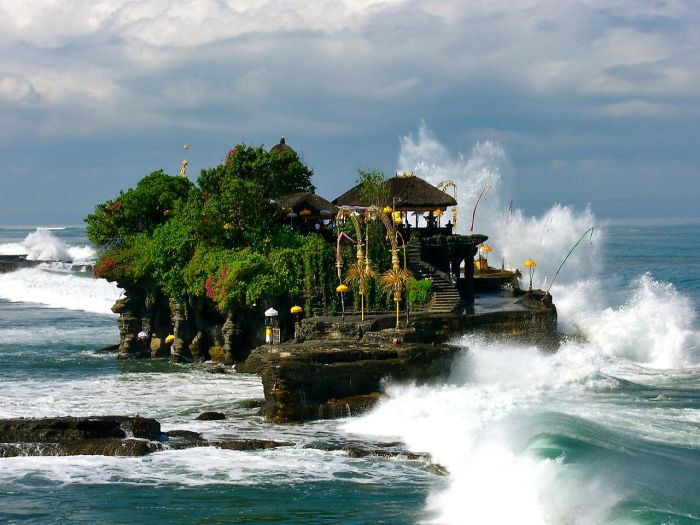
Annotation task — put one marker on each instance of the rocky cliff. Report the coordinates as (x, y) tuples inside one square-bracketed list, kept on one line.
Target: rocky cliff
[(201, 331), (339, 367)]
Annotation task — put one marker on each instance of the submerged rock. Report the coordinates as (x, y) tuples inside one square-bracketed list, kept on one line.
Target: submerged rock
[(69, 429), (70, 436), (211, 416)]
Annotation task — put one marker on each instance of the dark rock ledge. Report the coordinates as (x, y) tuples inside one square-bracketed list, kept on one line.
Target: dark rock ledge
[(339, 367), (138, 436), (105, 436)]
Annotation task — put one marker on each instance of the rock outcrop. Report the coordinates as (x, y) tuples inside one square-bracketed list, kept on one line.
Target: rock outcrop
[(201, 331), (10, 263), (67, 436), (138, 436), (339, 368)]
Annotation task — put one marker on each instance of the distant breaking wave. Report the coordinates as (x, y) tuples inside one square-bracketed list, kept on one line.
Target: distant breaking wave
[(63, 280), (42, 245), (70, 291)]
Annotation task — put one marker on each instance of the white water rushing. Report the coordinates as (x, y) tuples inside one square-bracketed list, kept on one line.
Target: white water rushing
[(56, 283), (513, 236), (478, 424), (42, 245)]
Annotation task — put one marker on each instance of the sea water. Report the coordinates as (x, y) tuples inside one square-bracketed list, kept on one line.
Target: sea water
[(606, 430)]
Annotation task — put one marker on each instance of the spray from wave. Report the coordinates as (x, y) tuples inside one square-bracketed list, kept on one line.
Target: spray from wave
[(43, 245), (59, 290), (512, 421), (63, 280), (513, 236)]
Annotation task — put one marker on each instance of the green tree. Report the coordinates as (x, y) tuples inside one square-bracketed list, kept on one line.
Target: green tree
[(137, 211), (373, 190)]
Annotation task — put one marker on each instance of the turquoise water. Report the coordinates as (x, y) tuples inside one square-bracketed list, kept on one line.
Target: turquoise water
[(607, 430)]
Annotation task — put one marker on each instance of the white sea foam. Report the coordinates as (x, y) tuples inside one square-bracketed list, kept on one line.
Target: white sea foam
[(171, 397), (654, 327), (477, 424), (208, 465), (514, 237), (49, 335), (42, 245), (56, 290), (12, 248)]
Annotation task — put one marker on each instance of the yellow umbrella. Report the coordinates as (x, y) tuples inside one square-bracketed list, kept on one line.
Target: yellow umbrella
[(387, 209), (305, 212), (170, 338), (531, 264), (341, 289), (296, 310), (438, 212)]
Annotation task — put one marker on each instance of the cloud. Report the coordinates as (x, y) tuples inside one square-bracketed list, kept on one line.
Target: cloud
[(556, 81), (14, 90), (136, 59)]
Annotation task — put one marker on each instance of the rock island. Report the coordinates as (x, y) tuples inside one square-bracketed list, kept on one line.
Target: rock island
[(323, 299)]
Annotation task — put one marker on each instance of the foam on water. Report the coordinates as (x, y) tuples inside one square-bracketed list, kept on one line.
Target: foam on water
[(478, 424), (56, 290), (513, 236), (208, 465), (52, 335), (12, 248), (43, 245), (168, 395)]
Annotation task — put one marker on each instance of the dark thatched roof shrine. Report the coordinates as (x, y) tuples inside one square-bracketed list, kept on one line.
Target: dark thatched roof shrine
[(317, 205), (281, 147), (413, 194)]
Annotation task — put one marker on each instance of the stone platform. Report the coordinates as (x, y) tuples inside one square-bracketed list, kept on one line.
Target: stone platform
[(338, 368)]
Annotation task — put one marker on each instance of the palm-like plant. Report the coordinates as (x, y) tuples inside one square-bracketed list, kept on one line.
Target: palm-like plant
[(360, 272), (392, 282)]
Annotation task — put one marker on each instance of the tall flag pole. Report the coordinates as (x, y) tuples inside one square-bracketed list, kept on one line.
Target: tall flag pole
[(590, 230), (487, 188)]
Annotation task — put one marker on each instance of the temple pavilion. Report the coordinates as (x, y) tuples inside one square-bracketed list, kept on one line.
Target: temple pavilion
[(433, 250)]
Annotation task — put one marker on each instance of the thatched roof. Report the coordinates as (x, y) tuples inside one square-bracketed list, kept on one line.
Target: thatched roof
[(281, 147), (296, 202), (413, 194)]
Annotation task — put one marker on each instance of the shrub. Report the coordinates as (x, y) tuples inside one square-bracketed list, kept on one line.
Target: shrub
[(419, 291)]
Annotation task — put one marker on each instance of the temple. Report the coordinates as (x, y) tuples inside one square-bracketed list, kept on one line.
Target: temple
[(382, 285)]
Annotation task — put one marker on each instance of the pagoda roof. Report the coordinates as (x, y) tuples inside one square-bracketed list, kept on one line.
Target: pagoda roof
[(412, 193), (281, 147), (296, 202)]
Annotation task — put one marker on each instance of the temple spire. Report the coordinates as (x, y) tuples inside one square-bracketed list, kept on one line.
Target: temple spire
[(183, 168)]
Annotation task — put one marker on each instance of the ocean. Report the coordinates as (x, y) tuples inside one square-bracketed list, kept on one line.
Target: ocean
[(604, 431)]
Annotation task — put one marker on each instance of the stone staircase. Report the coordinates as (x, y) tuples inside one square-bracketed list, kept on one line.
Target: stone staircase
[(446, 295)]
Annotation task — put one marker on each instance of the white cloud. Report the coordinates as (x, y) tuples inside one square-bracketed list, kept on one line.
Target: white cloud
[(16, 90), (145, 61)]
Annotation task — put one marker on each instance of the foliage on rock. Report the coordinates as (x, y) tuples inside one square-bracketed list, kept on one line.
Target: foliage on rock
[(220, 239), (137, 211)]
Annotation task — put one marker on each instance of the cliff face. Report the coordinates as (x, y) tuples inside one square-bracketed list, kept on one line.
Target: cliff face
[(339, 368), (201, 332)]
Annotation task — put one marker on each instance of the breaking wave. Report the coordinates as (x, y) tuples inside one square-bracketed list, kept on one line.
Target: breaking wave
[(43, 245), (513, 424)]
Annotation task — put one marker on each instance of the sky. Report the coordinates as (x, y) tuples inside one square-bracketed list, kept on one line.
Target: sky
[(591, 101)]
